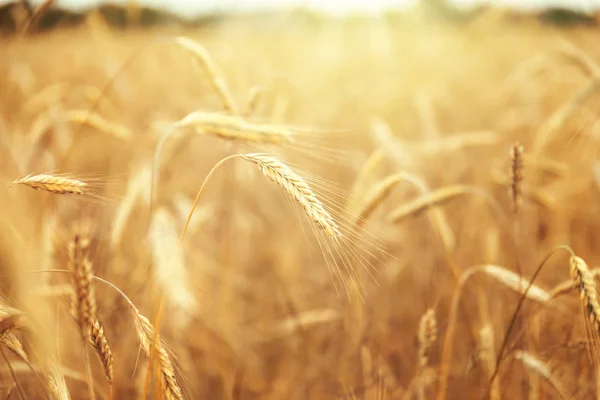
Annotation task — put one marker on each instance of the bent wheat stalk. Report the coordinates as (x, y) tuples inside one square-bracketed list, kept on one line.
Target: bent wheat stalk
[(291, 182), (379, 193), (428, 200)]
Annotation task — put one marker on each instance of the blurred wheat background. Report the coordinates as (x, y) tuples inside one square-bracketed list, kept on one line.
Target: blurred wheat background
[(394, 184)]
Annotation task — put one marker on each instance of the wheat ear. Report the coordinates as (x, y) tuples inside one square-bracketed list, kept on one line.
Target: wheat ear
[(54, 184), (536, 365), (100, 345), (217, 80), (427, 335), (297, 188), (96, 121), (150, 338), (84, 301), (231, 127), (290, 181), (516, 173)]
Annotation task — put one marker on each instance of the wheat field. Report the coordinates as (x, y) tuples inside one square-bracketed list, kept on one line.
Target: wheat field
[(293, 207)]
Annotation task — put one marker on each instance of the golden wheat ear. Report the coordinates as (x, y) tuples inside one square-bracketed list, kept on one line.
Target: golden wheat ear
[(53, 184)]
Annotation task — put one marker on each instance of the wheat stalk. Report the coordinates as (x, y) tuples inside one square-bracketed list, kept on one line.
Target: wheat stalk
[(427, 334), (54, 184)]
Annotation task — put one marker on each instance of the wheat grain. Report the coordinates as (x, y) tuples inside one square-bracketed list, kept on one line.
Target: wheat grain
[(54, 184), (297, 188), (585, 283)]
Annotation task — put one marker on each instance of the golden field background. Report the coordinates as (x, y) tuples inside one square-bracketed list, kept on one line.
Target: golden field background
[(250, 309)]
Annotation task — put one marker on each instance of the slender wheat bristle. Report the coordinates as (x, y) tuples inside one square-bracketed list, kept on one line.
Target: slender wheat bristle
[(100, 344), (217, 80), (427, 336), (379, 193), (536, 365), (84, 301), (234, 128), (148, 339), (296, 187), (584, 280), (54, 184), (96, 121), (516, 170), (428, 200)]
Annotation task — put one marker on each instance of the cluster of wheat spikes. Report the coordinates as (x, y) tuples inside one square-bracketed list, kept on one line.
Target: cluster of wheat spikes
[(395, 194)]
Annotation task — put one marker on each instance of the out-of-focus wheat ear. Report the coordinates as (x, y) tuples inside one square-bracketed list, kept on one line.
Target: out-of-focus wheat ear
[(216, 77), (254, 96), (56, 383), (378, 195), (297, 188), (536, 365), (37, 15), (235, 129), (575, 54), (97, 122), (100, 344), (393, 147), (556, 121), (370, 171), (54, 184), (456, 142), (434, 198), (149, 339), (169, 265), (516, 173), (427, 335)]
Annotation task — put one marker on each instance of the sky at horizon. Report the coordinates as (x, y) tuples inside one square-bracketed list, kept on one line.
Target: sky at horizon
[(335, 7)]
